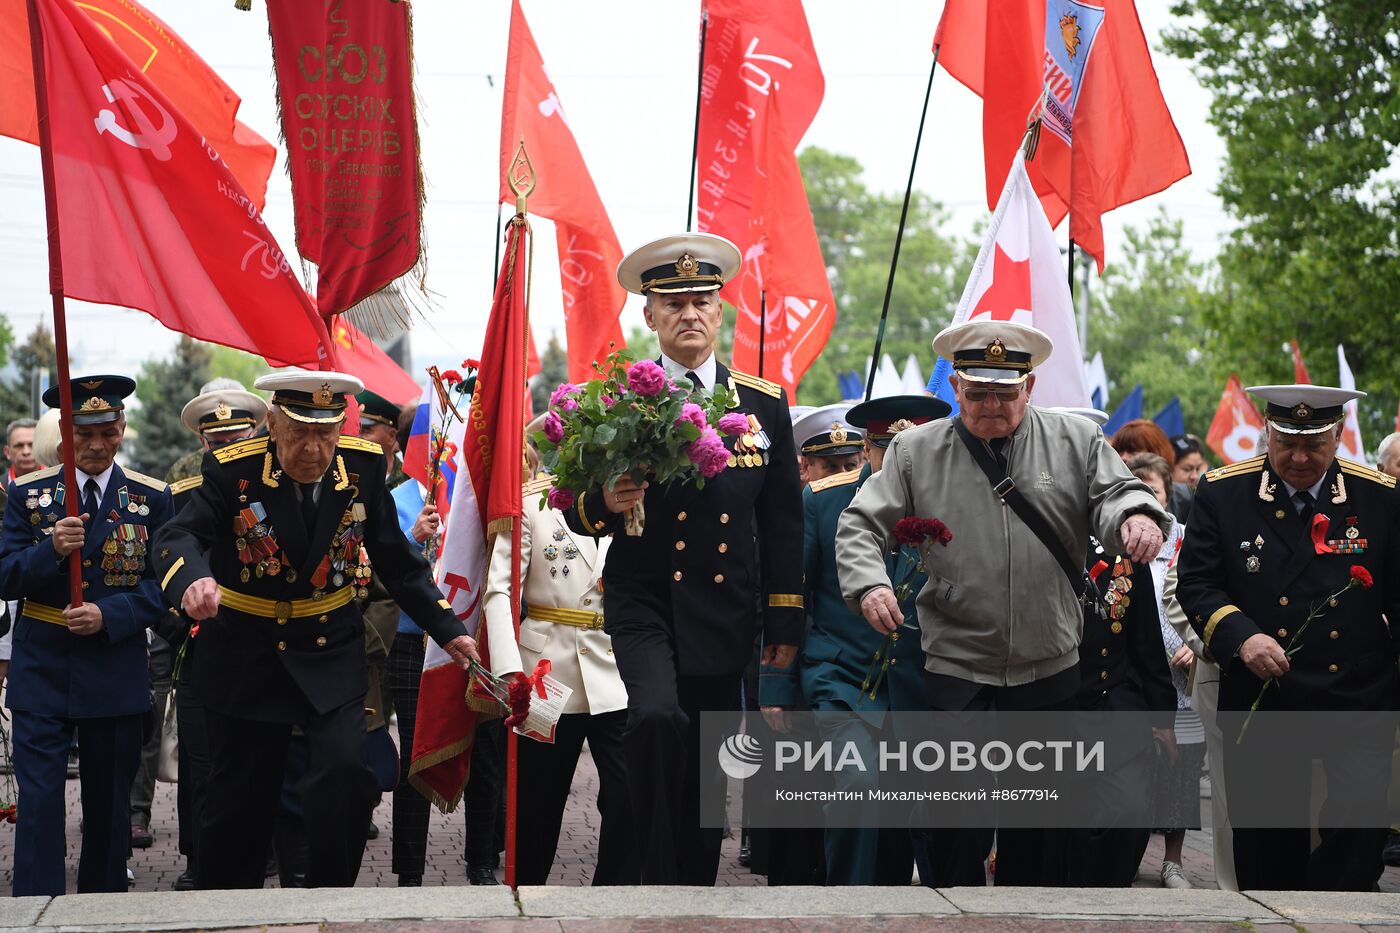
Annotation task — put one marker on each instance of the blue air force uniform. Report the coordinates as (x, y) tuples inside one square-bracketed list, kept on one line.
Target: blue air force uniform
[(97, 685), (1260, 555)]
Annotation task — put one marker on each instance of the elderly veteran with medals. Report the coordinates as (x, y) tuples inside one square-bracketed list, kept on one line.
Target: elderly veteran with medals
[(827, 443), (1021, 489), (81, 668), (1272, 541), (684, 600), (266, 557)]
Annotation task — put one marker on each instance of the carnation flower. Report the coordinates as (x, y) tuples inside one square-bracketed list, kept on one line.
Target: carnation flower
[(471, 364), (566, 390), (608, 401), (916, 531), (560, 499), (452, 377), (708, 453), (1362, 577), (553, 427), (694, 414), (646, 378), (733, 424)]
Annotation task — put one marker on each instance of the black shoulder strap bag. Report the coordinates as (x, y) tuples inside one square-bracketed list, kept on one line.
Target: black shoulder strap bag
[(994, 465)]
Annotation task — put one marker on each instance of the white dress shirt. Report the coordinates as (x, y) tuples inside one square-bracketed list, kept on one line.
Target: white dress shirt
[(707, 371), (102, 478)]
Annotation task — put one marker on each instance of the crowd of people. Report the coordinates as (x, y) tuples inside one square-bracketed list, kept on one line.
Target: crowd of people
[(272, 597)]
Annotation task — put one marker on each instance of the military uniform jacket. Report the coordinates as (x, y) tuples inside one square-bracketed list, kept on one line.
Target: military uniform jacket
[(710, 560), (1123, 664), (1250, 565), (243, 527), (52, 671), (558, 570), (840, 645)]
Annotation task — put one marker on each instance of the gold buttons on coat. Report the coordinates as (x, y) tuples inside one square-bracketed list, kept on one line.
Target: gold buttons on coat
[(587, 600), (324, 619), (680, 545), (1116, 628), (680, 516), (87, 563), (724, 518), (723, 547), (281, 646), (1283, 600), (1332, 601), (1103, 675), (1335, 634), (1283, 633), (719, 578), (1332, 668), (320, 641), (676, 576), (583, 650), (282, 621), (609, 651), (1103, 652)]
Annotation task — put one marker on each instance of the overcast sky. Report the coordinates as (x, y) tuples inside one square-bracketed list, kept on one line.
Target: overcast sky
[(625, 73)]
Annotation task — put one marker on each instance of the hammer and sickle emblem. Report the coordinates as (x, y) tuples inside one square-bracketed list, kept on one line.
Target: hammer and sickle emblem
[(148, 136)]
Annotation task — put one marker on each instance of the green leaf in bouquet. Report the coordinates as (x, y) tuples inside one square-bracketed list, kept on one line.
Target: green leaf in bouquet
[(604, 433)]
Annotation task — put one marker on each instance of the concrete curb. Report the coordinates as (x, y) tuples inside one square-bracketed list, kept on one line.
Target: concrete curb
[(205, 910)]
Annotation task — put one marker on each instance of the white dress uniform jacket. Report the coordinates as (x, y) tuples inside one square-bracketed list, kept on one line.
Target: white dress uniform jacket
[(558, 570)]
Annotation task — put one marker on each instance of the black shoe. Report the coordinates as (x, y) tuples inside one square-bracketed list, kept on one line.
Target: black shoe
[(410, 881), (72, 764), (745, 854), (480, 874), (1391, 853), (373, 831), (272, 869), (186, 881)]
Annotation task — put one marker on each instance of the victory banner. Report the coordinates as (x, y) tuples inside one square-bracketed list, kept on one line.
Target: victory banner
[(345, 90)]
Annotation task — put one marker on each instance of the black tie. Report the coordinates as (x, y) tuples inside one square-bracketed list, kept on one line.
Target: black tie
[(694, 379), (1304, 499), (308, 506), (90, 498)]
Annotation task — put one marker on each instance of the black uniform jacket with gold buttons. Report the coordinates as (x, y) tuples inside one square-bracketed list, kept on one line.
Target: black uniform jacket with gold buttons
[(287, 628), (1122, 659), (709, 558), (1251, 565)]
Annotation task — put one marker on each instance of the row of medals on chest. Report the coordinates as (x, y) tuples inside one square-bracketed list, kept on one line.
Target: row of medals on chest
[(751, 447), (124, 551), (261, 556)]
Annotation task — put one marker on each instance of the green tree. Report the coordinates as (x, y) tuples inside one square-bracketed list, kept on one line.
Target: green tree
[(163, 388), (554, 369), (235, 364), (1310, 113), (856, 228), (35, 355), (1150, 321)]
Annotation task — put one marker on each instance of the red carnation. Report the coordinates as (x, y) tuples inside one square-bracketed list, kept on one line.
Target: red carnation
[(519, 701), (452, 377), (916, 531), (1360, 576), (471, 364)]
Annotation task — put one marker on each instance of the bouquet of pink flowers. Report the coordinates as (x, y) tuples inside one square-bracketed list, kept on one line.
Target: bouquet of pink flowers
[(633, 421)]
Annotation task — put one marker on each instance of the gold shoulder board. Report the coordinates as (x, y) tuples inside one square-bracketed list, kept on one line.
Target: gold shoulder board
[(349, 442), (753, 382), (1252, 465), (536, 486), (241, 449), (145, 480), (186, 484), (831, 482), (1352, 468), (37, 475)]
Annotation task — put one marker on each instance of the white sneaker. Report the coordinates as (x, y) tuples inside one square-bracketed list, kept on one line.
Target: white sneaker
[(1172, 876), (130, 877)]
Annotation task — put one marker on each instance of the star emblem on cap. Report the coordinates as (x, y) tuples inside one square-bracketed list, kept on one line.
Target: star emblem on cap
[(222, 412), (1302, 412), (94, 404), (838, 433), (687, 265), (324, 396), (996, 349)]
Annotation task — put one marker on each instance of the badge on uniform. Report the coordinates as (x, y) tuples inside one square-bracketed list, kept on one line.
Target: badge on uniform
[(751, 447), (1353, 543), (1251, 563)]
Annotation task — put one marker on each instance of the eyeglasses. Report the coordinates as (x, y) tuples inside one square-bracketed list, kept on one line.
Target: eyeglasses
[(980, 393)]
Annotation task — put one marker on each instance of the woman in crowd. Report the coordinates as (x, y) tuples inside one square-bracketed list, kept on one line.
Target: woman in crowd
[(1176, 786), (1145, 437), (1190, 460)]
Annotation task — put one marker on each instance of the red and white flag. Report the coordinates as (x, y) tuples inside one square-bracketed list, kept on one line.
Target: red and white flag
[(758, 52), (151, 216), (1018, 277), (1300, 369), (588, 248), (1234, 431), (486, 501), (1351, 446)]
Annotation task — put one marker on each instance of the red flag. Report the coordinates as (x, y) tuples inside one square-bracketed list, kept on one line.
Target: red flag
[(1087, 72), (1234, 431), (360, 356), (485, 502), (588, 248), (1300, 369), (345, 89), (152, 218), (161, 56), (750, 188)]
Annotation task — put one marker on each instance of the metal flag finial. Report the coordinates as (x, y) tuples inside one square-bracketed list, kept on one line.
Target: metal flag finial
[(521, 177)]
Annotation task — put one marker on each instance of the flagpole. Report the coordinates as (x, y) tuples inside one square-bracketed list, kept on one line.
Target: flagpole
[(695, 140), (762, 328), (899, 234), (60, 321), (1071, 264), (496, 263)]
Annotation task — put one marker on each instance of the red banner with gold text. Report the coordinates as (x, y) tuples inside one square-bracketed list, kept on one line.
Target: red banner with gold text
[(345, 88)]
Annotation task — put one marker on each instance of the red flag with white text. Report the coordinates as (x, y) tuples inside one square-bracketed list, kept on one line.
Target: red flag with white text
[(1234, 432), (749, 186), (588, 248), (151, 216), (1085, 69), (486, 501), (161, 56)]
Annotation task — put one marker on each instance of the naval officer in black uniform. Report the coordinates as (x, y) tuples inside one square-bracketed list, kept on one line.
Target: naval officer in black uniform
[(1271, 539), (684, 601), (267, 556)]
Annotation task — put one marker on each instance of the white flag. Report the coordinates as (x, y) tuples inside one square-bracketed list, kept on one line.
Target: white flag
[(913, 377), (1350, 447), (1020, 277)]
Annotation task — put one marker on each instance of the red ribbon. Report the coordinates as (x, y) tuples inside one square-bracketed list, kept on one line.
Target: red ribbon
[(1320, 524), (538, 675), (1098, 568)]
